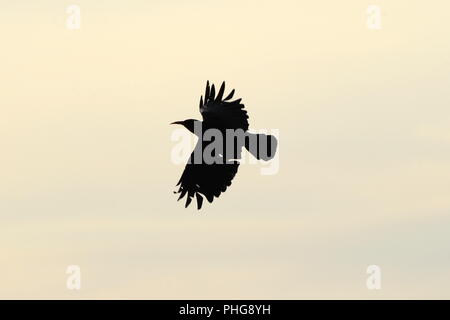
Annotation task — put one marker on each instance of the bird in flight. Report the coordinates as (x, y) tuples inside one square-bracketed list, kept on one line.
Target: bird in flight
[(229, 122)]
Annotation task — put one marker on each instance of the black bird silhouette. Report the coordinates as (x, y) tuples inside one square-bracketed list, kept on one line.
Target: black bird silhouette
[(211, 179)]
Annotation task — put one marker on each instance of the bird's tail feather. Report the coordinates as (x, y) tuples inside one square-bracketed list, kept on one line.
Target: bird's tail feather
[(261, 146)]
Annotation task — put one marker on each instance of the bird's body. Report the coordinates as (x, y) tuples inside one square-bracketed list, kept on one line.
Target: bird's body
[(227, 120)]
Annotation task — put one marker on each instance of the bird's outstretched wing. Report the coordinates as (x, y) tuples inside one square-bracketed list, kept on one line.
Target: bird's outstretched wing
[(209, 180), (219, 112)]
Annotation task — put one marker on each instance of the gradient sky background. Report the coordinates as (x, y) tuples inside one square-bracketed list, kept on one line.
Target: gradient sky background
[(86, 176)]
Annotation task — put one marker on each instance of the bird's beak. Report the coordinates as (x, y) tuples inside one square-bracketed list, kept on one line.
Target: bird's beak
[(177, 122)]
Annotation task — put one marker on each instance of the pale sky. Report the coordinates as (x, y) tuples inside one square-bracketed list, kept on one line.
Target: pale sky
[(87, 179)]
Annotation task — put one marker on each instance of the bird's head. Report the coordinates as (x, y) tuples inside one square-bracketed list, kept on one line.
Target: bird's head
[(188, 124)]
